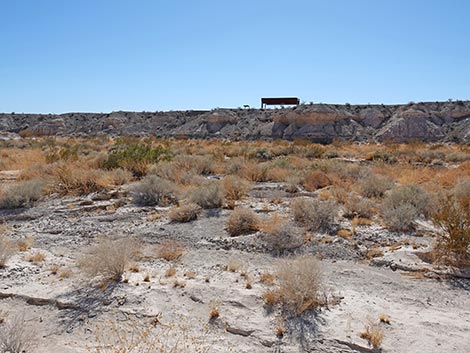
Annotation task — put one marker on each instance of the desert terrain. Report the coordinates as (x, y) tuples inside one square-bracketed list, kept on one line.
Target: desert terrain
[(174, 244)]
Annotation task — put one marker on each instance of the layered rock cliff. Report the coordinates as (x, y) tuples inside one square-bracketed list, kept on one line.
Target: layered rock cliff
[(431, 122)]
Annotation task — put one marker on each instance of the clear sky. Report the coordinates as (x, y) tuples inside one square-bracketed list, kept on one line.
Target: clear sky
[(104, 55)]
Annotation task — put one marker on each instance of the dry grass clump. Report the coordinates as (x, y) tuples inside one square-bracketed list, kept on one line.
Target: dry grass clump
[(374, 185), (149, 336), (235, 188), (242, 221), (16, 336), (7, 248), (208, 195), (109, 258), (36, 258), (153, 191), (373, 333), (22, 194), (267, 278), (75, 179), (25, 244), (300, 286), (403, 205), (234, 265), (282, 235), (316, 215), (184, 213), (214, 312), (170, 272), (170, 250)]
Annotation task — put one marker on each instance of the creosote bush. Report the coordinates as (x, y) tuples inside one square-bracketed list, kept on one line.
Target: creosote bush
[(153, 191), (208, 195), (242, 221), (109, 258), (316, 215), (136, 156), (184, 213), (22, 194), (300, 286)]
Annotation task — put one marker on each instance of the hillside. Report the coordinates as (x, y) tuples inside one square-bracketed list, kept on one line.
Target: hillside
[(430, 122)]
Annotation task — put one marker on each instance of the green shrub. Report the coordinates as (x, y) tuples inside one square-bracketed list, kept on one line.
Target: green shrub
[(136, 157), (153, 191)]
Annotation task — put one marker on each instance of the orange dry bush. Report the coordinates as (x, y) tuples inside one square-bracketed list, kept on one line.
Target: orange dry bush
[(170, 250), (316, 179), (242, 221), (20, 158), (235, 188)]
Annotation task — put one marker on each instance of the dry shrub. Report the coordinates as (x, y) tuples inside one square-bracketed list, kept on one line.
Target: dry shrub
[(357, 206), (373, 333), (74, 179), (16, 336), (242, 221), (208, 195), (282, 235), (109, 258), (253, 171), (22, 194), (7, 248), (453, 219), (235, 188), (300, 286), (185, 213), (267, 278), (344, 233), (120, 176), (316, 215), (153, 191), (374, 185), (170, 250), (403, 205), (315, 180)]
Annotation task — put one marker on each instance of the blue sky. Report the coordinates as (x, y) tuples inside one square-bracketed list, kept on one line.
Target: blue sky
[(104, 55)]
